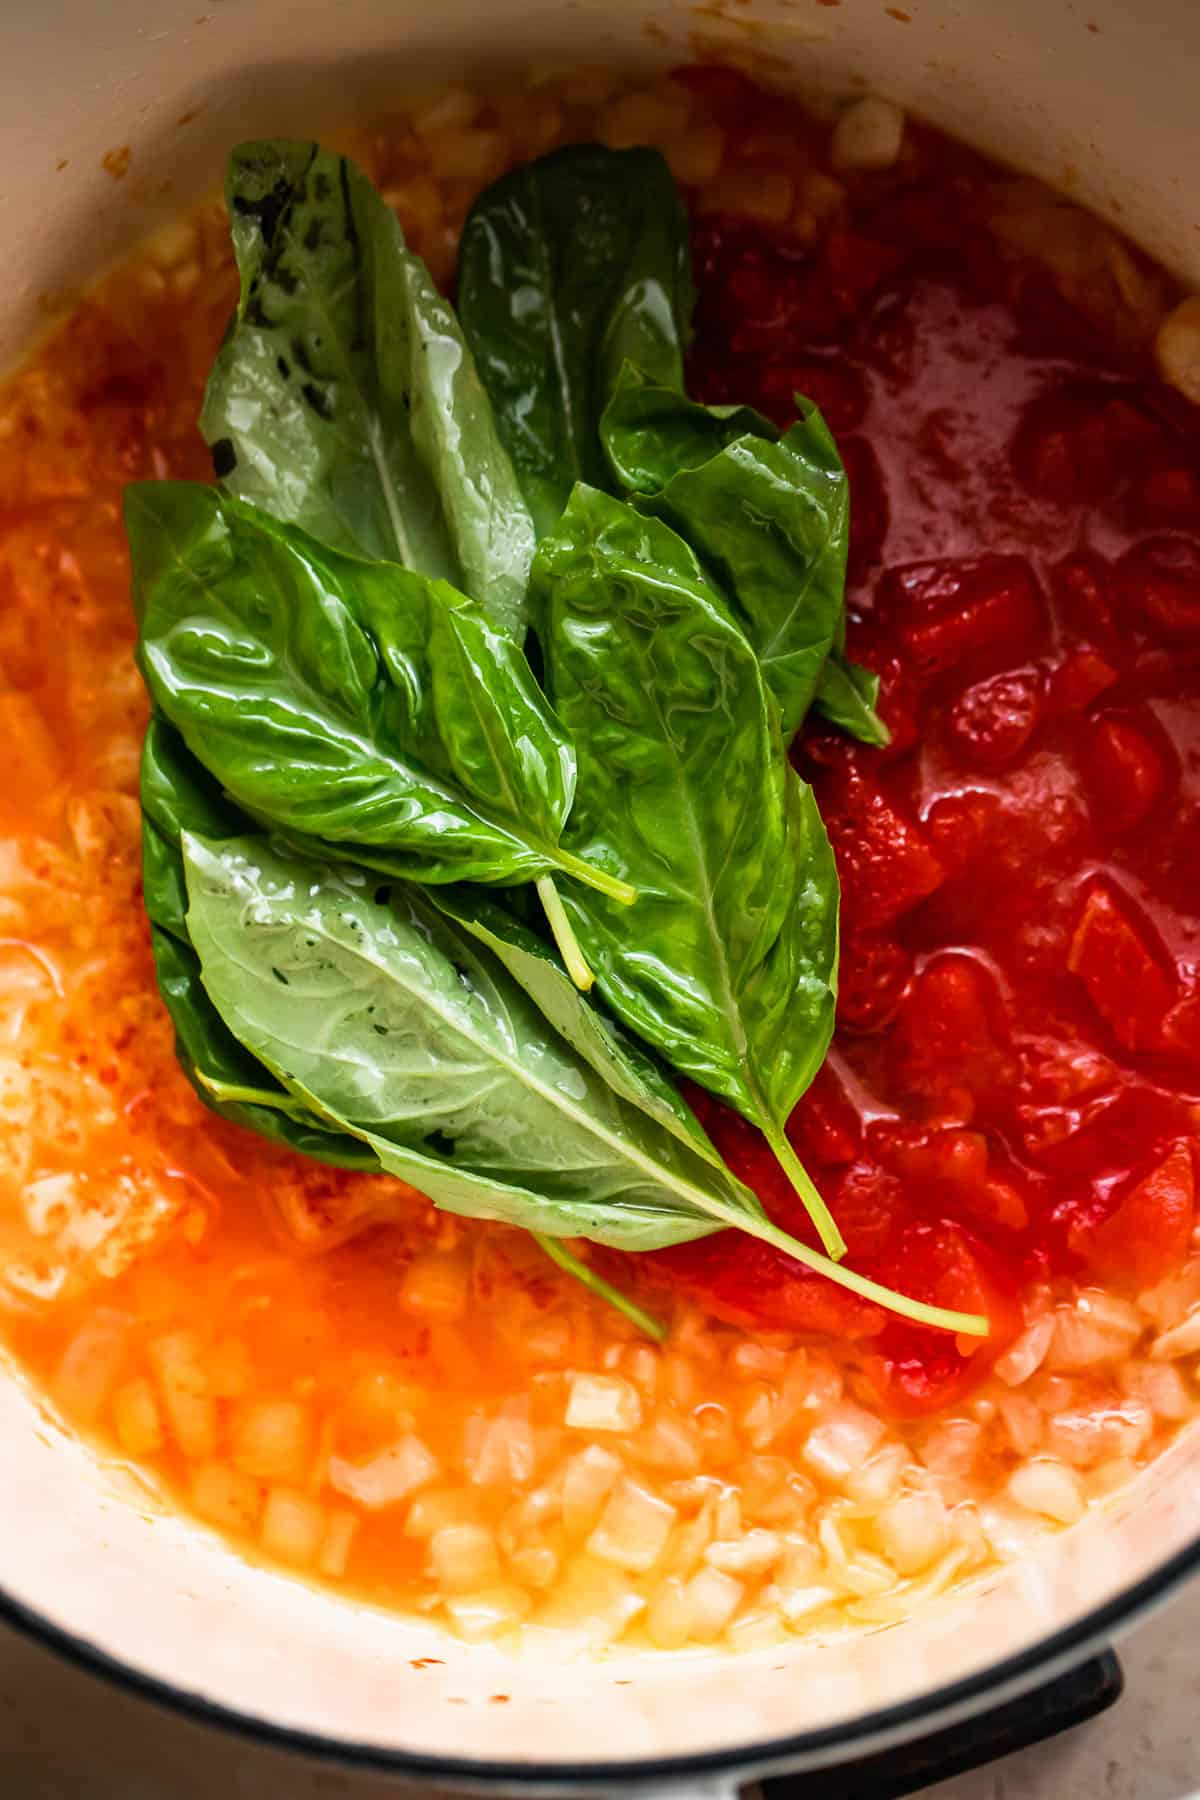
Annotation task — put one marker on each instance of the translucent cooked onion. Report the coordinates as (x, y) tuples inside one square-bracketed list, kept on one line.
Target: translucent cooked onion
[(387, 1478)]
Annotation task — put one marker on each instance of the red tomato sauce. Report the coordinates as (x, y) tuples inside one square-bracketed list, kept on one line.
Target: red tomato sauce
[(1014, 1085)]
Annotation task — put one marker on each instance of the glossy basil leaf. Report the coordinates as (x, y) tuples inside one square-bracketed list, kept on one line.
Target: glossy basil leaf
[(615, 1056), (767, 515), (344, 398), (177, 796), (846, 696), (726, 963), (352, 702), (229, 1080), (568, 267), (649, 430), (427, 1050)]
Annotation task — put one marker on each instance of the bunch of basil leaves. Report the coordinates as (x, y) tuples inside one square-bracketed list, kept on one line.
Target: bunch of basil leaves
[(352, 771)]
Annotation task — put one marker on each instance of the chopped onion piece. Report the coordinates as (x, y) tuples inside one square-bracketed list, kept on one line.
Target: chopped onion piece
[(633, 1529), (603, 1403), (388, 1478), (292, 1527), (1049, 1488)]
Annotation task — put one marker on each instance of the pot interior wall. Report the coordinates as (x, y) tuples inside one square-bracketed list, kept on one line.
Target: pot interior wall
[(1099, 99), (1109, 112)]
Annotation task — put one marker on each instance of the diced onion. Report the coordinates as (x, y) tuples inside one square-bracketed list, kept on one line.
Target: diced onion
[(1049, 1488), (712, 1598), (191, 1410), (798, 1604), (271, 1440), (137, 1418), (336, 1543), (842, 1442), (436, 1286), (488, 1613), (463, 1558), (226, 1496), (603, 1403), (1027, 1353), (388, 1478), (633, 1528), (587, 1481), (752, 1554), (437, 1507), (1180, 1340), (868, 135), (913, 1531), (293, 1526), (1177, 349)]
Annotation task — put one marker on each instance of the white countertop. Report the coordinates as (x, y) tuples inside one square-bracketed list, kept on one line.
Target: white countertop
[(66, 1736)]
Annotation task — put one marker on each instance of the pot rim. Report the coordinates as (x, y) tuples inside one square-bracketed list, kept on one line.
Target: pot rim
[(1010, 1677)]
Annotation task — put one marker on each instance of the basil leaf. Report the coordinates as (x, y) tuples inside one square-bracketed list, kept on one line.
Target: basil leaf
[(228, 1079), (410, 1009), (726, 962), (344, 398), (768, 516), (568, 267), (352, 702), (615, 1056), (649, 430), (427, 1050), (177, 796), (846, 696)]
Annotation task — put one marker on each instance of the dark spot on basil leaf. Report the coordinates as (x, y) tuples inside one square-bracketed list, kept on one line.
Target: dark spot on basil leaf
[(318, 399)]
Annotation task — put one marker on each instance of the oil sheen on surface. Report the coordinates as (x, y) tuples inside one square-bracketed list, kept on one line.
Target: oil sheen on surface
[(427, 1413)]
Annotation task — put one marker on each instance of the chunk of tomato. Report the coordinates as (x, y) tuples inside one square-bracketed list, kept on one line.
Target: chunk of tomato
[(1082, 585), (916, 1370), (969, 610), (873, 977), (1159, 579), (884, 860), (1125, 773), (1125, 980), (1150, 1233), (751, 1284), (992, 721), (1079, 679)]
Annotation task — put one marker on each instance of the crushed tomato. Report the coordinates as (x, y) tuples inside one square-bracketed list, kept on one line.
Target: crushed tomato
[(1014, 1092)]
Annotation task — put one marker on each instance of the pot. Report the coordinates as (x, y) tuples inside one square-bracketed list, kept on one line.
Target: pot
[(1100, 100)]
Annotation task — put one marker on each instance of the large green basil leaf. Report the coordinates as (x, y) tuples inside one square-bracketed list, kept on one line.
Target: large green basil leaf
[(726, 963), (232, 1082), (344, 398), (612, 1052), (768, 516), (351, 702), (381, 1015), (568, 267), (178, 796)]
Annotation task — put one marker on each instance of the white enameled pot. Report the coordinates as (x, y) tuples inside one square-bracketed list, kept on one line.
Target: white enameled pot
[(1096, 95)]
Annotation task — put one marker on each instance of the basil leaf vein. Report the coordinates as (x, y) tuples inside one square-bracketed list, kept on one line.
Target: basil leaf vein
[(726, 962)]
